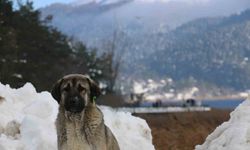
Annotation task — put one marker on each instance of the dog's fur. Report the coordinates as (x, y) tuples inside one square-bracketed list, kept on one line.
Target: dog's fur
[(80, 124)]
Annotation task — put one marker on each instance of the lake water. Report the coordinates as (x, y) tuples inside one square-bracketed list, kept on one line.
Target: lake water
[(223, 104)]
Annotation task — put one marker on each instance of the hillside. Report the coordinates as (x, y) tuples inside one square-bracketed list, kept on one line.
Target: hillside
[(208, 52), (95, 21), (214, 50)]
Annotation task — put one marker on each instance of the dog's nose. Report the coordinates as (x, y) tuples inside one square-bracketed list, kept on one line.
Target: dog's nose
[(75, 99)]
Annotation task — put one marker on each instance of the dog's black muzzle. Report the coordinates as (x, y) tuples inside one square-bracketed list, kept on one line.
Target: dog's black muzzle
[(74, 104)]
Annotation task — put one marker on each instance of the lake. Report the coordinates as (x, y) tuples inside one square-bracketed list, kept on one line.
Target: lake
[(223, 104)]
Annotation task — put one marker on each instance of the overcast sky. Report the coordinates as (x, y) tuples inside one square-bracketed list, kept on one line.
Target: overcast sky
[(42, 3), (218, 3)]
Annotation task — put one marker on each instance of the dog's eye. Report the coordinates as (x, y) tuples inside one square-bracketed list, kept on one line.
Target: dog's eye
[(81, 88), (66, 88)]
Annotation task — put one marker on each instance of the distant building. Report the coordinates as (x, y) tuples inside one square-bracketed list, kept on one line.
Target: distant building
[(190, 103)]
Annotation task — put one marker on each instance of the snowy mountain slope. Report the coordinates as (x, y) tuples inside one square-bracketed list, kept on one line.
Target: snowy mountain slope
[(155, 35), (86, 19), (208, 49)]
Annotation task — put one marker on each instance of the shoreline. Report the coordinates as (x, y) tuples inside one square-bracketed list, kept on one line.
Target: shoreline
[(221, 98)]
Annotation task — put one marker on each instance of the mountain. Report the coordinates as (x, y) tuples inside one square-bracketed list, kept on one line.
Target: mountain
[(94, 21), (214, 50), (166, 39)]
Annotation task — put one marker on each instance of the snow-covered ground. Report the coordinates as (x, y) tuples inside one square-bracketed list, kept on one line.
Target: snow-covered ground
[(233, 134), (162, 109), (153, 90), (27, 122)]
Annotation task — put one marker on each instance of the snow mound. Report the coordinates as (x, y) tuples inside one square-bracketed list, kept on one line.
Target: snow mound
[(233, 134), (27, 122), (128, 129)]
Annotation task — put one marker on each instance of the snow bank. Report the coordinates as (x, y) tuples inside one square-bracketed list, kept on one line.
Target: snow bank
[(27, 122), (131, 132), (233, 134)]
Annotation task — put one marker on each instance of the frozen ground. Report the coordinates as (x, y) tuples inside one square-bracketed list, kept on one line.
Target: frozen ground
[(233, 134), (162, 109), (27, 122)]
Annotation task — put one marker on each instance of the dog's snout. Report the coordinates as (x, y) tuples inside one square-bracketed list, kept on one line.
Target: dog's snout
[(74, 104), (75, 99)]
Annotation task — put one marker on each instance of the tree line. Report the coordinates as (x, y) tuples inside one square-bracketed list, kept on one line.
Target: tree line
[(33, 51)]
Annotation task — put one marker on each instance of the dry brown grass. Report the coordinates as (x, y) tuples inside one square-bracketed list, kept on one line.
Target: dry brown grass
[(182, 131)]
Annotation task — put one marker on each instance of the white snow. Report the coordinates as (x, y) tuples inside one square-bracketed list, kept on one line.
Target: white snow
[(163, 109), (128, 130), (152, 90), (233, 134), (27, 122), (156, 90), (188, 93), (138, 88)]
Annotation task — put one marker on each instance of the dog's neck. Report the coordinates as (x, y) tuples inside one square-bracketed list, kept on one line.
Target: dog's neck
[(87, 122), (82, 128), (90, 116)]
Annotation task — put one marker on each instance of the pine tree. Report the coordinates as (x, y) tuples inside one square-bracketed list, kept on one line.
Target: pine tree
[(32, 51)]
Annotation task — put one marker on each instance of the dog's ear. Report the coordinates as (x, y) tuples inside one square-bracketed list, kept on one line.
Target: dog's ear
[(56, 92), (95, 90)]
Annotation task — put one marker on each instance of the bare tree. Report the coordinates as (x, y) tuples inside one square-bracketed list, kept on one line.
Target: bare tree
[(114, 52)]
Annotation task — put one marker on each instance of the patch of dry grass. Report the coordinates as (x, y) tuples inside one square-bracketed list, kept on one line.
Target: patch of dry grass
[(182, 131)]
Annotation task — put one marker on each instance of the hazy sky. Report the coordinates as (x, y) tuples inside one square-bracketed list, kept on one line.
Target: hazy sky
[(219, 3), (42, 3)]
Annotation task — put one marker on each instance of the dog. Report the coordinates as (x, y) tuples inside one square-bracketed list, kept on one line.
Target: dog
[(80, 124)]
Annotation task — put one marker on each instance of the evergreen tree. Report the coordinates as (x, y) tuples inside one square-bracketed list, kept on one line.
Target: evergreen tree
[(32, 51)]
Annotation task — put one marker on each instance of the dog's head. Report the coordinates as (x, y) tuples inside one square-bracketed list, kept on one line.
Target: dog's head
[(74, 92)]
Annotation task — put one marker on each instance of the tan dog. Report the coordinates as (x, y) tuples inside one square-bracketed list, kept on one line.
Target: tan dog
[(80, 124)]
